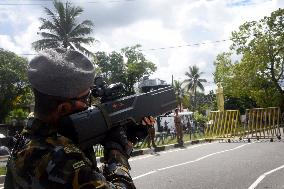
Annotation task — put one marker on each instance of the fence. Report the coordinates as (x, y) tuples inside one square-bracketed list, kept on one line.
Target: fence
[(161, 138), (262, 123), (223, 124), (259, 123)]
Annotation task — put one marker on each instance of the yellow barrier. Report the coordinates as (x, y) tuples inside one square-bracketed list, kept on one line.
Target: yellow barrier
[(260, 123), (223, 124)]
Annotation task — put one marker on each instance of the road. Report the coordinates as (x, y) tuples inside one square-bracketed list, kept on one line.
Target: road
[(213, 165)]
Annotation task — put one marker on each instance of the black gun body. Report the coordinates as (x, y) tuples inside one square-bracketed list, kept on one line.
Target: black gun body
[(136, 107), (90, 126)]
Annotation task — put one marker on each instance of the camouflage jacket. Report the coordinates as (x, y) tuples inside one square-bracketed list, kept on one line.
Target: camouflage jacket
[(44, 159), (177, 120)]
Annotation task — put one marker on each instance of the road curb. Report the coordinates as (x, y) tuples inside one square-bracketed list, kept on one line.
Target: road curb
[(163, 148)]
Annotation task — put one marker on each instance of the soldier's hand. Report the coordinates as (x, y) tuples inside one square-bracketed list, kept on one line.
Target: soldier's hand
[(148, 121), (139, 132), (117, 148)]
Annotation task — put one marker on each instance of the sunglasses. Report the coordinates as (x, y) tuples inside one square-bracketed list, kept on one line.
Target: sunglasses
[(85, 99)]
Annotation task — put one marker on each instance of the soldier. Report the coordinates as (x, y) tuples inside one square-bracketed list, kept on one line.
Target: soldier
[(179, 128), (151, 133), (43, 158)]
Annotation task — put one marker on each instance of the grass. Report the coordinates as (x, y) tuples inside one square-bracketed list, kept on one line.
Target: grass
[(169, 140), (159, 142), (2, 170)]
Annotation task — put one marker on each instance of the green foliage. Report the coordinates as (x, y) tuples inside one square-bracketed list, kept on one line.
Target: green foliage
[(185, 101), (13, 82), (18, 114), (223, 65), (181, 95), (137, 66), (262, 67), (199, 118), (243, 87), (205, 102), (128, 66), (111, 67), (233, 103), (61, 28), (194, 82), (3, 170)]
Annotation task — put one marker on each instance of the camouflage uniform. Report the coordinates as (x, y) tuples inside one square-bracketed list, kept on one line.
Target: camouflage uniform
[(151, 136), (44, 159), (179, 129)]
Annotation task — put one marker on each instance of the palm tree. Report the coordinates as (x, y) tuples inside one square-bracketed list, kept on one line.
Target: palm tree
[(179, 91), (194, 81), (61, 29)]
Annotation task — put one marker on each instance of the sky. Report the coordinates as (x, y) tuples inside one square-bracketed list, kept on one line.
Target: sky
[(174, 34)]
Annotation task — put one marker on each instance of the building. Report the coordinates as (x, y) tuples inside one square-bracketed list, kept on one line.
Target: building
[(147, 84)]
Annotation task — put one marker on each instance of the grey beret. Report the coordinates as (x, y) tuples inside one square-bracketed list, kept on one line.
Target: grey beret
[(61, 72)]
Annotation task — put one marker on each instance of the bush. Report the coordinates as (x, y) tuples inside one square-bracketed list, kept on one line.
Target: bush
[(18, 114)]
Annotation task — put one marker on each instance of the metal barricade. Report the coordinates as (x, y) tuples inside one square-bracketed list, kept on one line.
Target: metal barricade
[(223, 124), (262, 123)]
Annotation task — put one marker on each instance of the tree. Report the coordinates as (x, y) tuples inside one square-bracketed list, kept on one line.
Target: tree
[(180, 93), (128, 66), (203, 102), (111, 67), (223, 67), (194, 81), (242, 87), (13, 82), (61, 29), (103, 64), (234, 103), (261, 43), (137, 66)]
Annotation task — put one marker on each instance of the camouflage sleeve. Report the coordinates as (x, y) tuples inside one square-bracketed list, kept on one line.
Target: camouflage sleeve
[(69, 167), (116, 169), (119, 176)]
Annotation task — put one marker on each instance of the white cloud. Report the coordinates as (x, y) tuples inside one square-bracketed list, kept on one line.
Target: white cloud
[(153, 24), (7, 42), (21, 42)]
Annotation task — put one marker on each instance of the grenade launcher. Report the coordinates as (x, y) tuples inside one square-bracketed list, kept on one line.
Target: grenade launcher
[(89, 127)]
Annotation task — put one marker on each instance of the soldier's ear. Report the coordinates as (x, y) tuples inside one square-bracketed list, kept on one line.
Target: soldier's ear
[(64, 109)]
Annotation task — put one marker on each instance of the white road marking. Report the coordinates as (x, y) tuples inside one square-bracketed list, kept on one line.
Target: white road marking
[(151, 172), (189, 162), (263, 176), (144, 157), (181, 149), (169, 151)]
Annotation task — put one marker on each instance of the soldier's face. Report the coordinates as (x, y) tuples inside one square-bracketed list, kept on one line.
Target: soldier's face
[(82, 101), (73, 105)]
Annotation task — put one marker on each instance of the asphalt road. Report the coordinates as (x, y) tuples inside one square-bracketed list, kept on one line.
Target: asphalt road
[(212, 165)]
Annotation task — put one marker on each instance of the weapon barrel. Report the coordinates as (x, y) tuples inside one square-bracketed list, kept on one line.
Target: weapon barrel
[(136, 107)]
